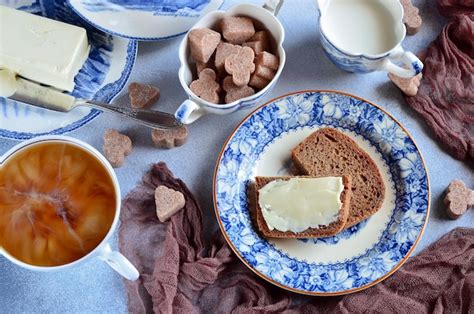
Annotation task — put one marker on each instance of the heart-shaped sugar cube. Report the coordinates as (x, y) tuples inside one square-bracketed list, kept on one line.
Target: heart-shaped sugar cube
[(142, 95), (168, 202)]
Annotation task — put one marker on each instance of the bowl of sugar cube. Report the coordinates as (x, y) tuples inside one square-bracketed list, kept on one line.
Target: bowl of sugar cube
[(230, 60)]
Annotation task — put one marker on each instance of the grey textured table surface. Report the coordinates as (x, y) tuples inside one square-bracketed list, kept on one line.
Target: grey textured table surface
[(93, 286)]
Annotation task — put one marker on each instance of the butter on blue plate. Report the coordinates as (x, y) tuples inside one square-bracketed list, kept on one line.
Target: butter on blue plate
[(41, 49), (101, 77)]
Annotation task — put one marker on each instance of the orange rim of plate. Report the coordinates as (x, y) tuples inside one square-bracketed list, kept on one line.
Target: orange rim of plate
[(391, 272)]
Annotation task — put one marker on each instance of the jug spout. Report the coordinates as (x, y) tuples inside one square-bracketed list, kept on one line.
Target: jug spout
[(322, 5)]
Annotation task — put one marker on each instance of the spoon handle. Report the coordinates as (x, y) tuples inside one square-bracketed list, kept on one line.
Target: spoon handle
[(35, 94)]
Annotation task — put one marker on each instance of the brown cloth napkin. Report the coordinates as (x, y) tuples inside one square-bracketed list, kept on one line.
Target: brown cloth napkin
[(445, 98), (179, 274)]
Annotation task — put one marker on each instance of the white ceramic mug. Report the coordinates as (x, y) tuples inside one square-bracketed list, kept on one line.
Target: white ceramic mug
[(365, 35), (102, 251), (194, 107)]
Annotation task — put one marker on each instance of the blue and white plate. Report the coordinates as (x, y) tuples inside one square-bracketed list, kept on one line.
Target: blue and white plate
[(358, 257), (101, 78), (143, 19)]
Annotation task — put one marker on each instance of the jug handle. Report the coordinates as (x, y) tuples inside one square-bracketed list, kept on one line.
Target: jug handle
[(412, 65), (273, 6)]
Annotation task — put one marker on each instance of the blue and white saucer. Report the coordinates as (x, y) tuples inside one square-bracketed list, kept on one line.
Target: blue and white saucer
[(101, 78), (358, 257), (143, 19)]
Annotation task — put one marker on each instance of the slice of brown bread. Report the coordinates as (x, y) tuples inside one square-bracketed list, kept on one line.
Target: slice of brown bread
[(328, 152), (322, 231)]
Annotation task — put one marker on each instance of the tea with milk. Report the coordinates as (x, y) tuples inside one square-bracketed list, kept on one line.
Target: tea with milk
[(360, 26), (57, 203)]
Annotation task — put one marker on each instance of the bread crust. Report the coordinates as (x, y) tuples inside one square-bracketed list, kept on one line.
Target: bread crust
[(328, 138)]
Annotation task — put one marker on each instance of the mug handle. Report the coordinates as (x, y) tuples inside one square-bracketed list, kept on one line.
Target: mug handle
[(413, 65), (188, 112), (119, 263), (273, 6)]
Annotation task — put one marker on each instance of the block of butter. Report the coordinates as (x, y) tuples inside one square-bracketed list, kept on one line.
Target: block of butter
[(40, 49)]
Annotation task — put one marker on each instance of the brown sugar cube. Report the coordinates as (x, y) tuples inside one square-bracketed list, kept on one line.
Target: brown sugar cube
[(263, 38), (259, 42), (168, 202), (258, 82), (237, 30), (142, 95), (268, 60), (240, 66), (203, 65), (200, 66), (409, 86), (264, 72), (234, 92), (206, 87), (169, 138), (222, 52), (266, 65), (256, 46), (203, 43), (116, 147), (458, 199), (411, 17)]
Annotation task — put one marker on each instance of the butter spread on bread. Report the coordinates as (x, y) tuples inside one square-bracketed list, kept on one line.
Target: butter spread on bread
[(321, 230), (301, 203)]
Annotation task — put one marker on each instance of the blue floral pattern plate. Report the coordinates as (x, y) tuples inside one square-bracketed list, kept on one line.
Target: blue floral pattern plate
[(102, 77), (143, 19), (356, 258)]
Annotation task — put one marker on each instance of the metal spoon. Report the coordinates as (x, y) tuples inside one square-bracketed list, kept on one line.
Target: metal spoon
[(37, 95)]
